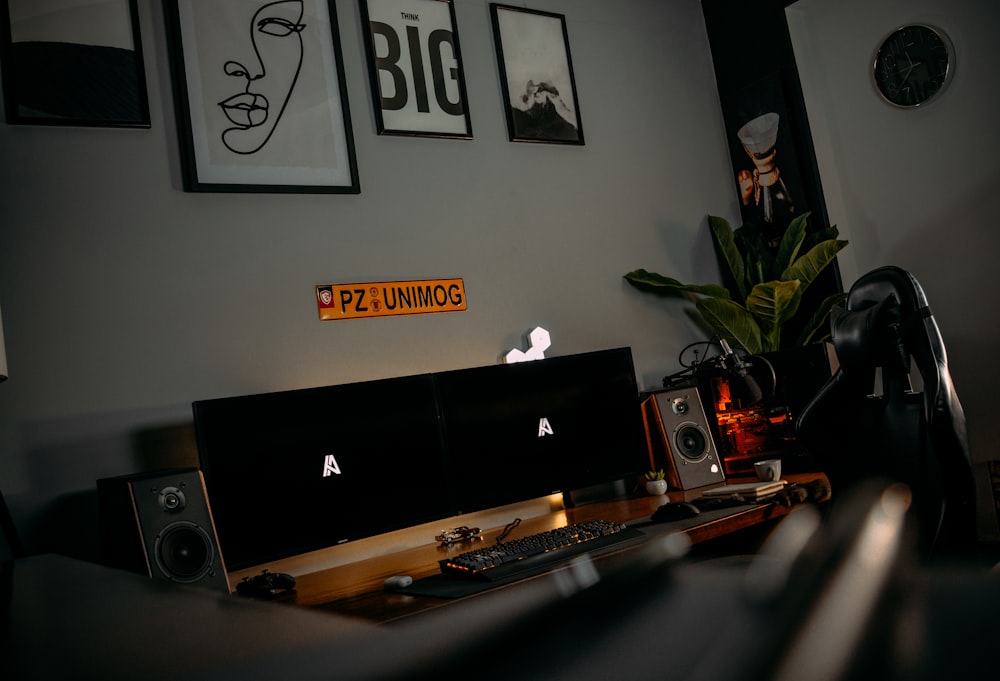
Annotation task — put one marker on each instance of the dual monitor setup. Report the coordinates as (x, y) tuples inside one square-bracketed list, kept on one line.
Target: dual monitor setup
[(295, 471)]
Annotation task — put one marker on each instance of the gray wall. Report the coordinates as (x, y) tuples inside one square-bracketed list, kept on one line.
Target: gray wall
[(916, 188), (124, 299)]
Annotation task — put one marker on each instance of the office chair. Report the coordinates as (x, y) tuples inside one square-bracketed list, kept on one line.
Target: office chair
[(859, 430)]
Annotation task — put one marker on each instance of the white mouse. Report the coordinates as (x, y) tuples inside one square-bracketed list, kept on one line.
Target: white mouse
[(397, 582)]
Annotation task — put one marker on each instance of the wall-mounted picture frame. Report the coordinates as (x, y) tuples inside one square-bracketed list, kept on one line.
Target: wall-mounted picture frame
[(75, 63), (764, 156), (536, 75), (260, 96), (415, 68)]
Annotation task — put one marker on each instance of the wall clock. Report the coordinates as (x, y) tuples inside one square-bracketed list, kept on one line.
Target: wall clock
[(913, 64)]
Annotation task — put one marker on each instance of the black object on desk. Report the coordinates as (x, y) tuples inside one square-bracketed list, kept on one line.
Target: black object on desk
[(440, 431), (675, 510), (543, 549), (266, 585), (451, 585)]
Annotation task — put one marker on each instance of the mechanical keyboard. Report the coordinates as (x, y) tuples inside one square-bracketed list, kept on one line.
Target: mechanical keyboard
[(538, 552)]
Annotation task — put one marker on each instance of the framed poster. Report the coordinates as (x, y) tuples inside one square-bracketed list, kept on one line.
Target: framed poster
[(260, 95), (536, 76), (73, 62), (415, 68), (764, 157)]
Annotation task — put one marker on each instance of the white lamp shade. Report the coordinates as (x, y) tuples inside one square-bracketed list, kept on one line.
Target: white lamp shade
[(3, 354)]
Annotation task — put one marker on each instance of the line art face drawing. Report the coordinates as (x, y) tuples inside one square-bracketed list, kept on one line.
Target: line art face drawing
[(266, 73)]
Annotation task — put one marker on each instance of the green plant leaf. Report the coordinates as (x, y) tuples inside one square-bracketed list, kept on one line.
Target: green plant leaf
[(830, 233), (817, 327), (667, 286), (757, 255), (733, 322), (806, 268), (765, 286), (722, 232), (773, 303), (791, 243)]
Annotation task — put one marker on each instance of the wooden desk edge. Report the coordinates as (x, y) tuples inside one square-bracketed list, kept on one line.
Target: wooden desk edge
[(343, 583)]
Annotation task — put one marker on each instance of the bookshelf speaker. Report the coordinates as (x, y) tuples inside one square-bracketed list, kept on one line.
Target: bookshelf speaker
[(160, 524), (680, 440)]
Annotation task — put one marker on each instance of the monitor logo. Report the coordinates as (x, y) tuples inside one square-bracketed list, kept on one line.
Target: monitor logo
[(544, 427), (330, 466)]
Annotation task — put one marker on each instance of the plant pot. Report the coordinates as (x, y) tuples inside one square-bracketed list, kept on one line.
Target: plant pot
[(656, 487)]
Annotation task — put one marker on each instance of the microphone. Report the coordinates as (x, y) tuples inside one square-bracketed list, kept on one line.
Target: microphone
[(742, 385)]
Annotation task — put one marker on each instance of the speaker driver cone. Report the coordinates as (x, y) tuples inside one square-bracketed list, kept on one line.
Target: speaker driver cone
[(184, 552), (691, 441)]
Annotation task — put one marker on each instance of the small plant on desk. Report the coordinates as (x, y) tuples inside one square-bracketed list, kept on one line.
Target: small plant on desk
[(655, 482)]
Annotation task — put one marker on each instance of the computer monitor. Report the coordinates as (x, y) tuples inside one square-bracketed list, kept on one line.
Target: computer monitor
[(519, 431), (295, 471)]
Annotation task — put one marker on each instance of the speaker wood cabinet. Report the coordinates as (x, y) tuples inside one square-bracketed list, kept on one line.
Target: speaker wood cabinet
[(680, 439), (160, 524)]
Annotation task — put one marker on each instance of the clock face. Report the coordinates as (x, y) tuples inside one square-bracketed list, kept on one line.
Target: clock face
[(912, 65)]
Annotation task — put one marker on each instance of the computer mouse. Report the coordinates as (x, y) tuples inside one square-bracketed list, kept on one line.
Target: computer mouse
[(674, 510)]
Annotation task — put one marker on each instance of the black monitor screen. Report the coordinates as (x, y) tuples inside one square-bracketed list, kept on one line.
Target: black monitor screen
[(290, 472), (520, 431)]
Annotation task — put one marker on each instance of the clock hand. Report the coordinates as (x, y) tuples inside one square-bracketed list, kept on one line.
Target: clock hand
[(906, 71)]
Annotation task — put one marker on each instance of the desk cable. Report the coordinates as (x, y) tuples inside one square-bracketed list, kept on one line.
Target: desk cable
[(506, 530)]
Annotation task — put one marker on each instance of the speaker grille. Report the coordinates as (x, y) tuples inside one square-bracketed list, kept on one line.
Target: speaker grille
[(184, 552), (691, 442)]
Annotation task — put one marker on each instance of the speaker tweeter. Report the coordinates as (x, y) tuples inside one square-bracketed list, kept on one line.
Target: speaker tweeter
[(680, 440), (160, 524)]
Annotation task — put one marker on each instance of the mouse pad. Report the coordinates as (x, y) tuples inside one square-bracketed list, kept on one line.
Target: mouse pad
[(444, 585)]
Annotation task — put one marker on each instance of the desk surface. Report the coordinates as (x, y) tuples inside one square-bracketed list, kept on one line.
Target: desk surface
[(62, 618), (357, 588)]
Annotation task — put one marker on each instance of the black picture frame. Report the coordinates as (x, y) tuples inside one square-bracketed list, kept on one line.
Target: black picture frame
[(536, 76), (764, 156), (79, 66), (736, 29), (411, 96), (261, 97)]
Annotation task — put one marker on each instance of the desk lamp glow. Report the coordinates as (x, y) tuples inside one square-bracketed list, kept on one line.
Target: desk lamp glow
[(538, 342)]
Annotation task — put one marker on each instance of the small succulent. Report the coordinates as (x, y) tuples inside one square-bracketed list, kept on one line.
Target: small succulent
[(655, 475)]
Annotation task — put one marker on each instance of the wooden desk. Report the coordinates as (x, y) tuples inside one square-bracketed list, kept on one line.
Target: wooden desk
[(356, 588), (63, 618)]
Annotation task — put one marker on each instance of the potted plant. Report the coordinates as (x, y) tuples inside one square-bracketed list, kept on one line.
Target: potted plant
[(760, 307), (656, 482)]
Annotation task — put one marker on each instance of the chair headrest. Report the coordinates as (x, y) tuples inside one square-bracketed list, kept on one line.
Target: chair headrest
[(869, 336), (875, 286), (887, 322)]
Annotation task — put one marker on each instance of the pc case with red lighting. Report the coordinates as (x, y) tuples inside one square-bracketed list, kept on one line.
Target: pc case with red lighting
[(746, 433)]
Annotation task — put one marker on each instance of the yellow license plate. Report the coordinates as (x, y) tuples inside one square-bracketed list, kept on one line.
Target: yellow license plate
[(388, 298)]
